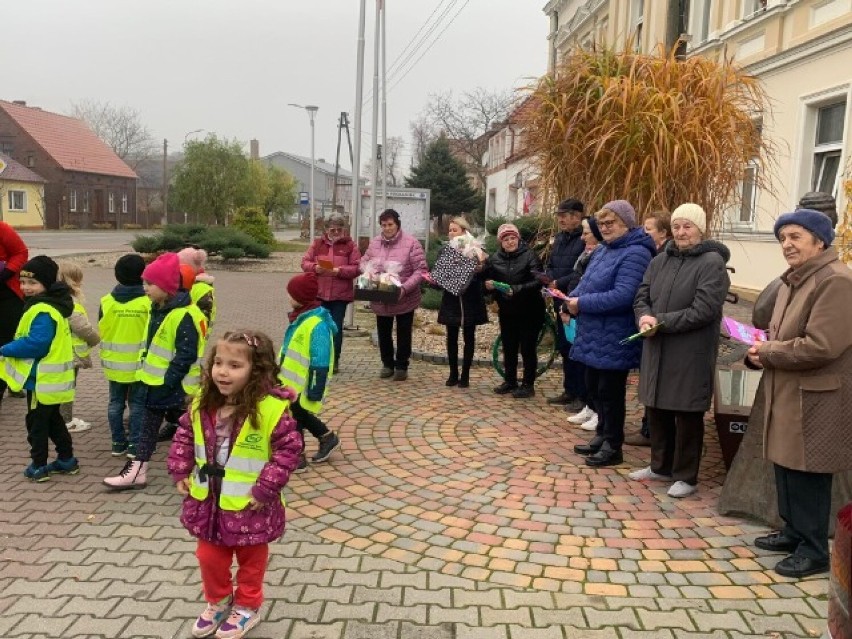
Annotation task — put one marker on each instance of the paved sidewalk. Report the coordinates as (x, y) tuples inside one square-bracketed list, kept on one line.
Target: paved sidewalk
[(447, 513)]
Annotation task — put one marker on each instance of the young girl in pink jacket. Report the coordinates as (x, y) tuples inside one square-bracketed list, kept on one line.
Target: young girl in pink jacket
[(231, 456)]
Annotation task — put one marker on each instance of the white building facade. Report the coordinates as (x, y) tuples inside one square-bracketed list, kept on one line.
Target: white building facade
[(801, 50)]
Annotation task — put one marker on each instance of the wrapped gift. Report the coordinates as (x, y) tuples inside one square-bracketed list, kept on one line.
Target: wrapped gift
[(453, 271), (387, 295)]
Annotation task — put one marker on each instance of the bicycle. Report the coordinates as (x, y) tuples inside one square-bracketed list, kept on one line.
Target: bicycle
[(545, 348)]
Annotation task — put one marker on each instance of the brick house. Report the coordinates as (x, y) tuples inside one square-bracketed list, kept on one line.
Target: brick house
[(87, 184)]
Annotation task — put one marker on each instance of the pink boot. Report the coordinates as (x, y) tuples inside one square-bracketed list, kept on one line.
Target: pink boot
[(133, 475)]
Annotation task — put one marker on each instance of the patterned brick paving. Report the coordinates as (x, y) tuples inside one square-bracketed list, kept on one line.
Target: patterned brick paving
[(446, 513)]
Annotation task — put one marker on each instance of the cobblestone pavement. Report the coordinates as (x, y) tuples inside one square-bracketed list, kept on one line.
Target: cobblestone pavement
[(447, 514)]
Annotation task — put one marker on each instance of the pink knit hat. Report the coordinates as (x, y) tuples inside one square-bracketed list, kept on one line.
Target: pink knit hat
[(164, 272), (507, 229)]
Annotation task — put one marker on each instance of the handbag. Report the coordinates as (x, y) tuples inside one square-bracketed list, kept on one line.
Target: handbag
[(453, 272), (570, 330)]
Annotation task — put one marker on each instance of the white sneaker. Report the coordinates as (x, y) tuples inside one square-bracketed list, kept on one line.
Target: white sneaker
[(681, 489), (591, 423), (583, 416), (646, 473)]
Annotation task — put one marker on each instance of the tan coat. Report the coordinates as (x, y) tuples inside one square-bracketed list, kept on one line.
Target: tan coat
[(808, 369)]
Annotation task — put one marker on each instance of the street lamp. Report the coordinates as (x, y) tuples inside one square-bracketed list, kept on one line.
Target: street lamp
[(190, 133), (312, 111)]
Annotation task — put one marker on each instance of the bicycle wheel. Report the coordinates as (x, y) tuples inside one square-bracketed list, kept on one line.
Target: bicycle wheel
[(545, 349)]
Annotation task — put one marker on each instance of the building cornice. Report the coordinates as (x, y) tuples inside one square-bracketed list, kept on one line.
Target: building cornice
[(807, 49)]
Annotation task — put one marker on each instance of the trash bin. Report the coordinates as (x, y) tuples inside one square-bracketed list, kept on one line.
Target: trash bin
[(733, 397)]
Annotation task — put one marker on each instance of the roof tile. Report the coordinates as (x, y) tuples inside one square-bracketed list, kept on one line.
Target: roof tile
[(68, 141)]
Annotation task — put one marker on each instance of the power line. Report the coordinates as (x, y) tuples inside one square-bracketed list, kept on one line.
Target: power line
[(399, 63), (438, 37)]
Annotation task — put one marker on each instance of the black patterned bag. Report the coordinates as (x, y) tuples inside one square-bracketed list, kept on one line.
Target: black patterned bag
[(453, 271)]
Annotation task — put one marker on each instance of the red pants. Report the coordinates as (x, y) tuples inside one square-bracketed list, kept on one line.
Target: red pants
[(215, 564)]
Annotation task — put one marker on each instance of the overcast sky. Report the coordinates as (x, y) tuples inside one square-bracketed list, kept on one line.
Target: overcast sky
[(231, 66)]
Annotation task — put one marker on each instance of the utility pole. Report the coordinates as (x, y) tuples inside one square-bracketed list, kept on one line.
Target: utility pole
[(384, 166), (166, 181), (355, 211), (375, 146), (340, 125)]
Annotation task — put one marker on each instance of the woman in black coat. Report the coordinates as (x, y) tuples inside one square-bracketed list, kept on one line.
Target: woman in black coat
[(522, 308), (465, 311)]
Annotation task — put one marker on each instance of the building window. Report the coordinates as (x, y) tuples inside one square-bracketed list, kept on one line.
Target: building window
[(86, 201), (698, 21), (72, 200), (124, 202), (637, 19), (828, 147), (749, 195), (17, 200), (751, 7), (492, 202), (112, 202), (7, 147), (30, 161)]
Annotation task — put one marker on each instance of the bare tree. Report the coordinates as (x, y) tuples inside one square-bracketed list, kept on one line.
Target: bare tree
[(120, 127), (423, 133), (391, 154), (468, 121)]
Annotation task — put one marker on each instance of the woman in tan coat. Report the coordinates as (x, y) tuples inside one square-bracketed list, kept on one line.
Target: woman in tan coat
[(807, 364)]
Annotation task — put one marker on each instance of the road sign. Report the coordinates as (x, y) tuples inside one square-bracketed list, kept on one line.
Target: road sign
[(304, 197)]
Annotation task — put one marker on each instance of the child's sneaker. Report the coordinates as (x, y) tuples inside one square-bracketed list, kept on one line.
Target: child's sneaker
[(118, 449), (303, 464), (212, 617), (131, 451), (64, 466), (240, 621), (37, 473)]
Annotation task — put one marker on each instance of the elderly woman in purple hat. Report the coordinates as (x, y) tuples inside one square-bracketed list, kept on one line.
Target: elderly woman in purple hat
[(603, 305), (807, 364), (522, 309)]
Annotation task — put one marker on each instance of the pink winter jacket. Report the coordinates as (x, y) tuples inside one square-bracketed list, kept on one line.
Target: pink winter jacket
[(204, 519), (406, 250), (344, 254)]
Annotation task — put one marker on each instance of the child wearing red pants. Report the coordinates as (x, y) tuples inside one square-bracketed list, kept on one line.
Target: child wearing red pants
[(231, 456)]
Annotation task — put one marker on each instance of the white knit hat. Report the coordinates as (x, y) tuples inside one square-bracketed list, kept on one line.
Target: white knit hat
[(692, 212)]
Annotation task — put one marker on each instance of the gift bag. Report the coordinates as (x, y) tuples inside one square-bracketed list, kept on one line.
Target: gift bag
[(453, 271)]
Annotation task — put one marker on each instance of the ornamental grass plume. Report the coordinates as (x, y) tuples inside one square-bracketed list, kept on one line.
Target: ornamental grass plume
[(652, 129)]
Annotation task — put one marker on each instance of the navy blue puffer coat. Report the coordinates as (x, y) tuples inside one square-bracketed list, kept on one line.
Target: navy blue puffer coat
[(605, 299)]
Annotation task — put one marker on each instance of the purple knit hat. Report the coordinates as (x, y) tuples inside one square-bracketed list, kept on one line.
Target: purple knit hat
[(624, 210)]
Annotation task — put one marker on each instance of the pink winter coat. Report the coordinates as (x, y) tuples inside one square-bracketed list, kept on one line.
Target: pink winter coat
[(204, 519), (344, 254), (406, 250)]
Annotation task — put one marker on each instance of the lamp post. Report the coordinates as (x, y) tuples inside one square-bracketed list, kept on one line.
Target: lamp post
[(312, 112), (185, 214)]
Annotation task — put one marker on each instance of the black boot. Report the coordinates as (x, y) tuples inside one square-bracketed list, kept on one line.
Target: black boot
[(464, 380), (453, 379)]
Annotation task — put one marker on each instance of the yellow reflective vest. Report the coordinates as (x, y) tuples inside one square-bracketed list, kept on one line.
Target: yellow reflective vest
[(161, 350), (81, 348), (54, 375), (252, 450), (199, 290), (124, 330), (296, 364)]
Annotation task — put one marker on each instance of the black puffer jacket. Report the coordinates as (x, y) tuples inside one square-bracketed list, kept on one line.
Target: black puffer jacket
[(567, 247), (516, 269), (467, 309)]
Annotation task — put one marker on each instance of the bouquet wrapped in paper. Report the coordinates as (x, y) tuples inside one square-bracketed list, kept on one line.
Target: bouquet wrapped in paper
[(389, 279), (468, 246)]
